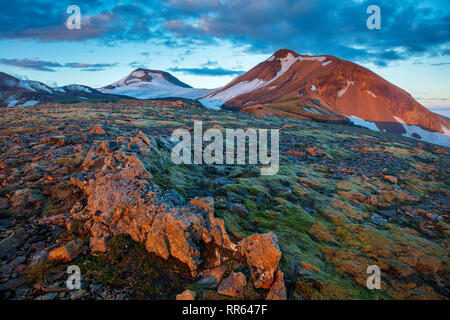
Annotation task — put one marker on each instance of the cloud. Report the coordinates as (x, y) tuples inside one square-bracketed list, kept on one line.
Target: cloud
[(208, 71), (49, 66), (31, 64), (137, 65), (409, 28), (441, 64), (45, 21)]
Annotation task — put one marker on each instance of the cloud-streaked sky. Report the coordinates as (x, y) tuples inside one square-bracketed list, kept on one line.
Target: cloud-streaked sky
[(206, 43)]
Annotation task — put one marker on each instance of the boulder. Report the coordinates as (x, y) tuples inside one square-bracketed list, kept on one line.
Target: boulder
[(262, 254), (392, 179), (96, 129), (39, 258), (67, 252), (233, 285), (212, 277), (26, 201), (122, 199), (278, 289), (186, 295), (14, 241)]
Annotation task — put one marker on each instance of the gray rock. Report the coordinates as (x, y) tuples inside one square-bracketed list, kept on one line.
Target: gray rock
[(48, 296), (39, 258), (78, 294), (10, 244), (12, 284), (377, 219)]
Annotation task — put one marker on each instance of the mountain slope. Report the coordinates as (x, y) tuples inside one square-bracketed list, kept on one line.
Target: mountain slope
[(329, 88), (149, 84), (15, 92)]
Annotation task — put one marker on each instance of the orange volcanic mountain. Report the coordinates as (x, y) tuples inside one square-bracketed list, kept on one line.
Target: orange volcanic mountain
[(329, 88)]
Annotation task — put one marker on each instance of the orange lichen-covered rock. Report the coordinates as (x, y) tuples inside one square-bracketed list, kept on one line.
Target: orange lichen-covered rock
[(392, 179), (186, 295), (114, 181), (233, 285), (96, 129), (68, 252), (262, 254), (295, 153), (278, 289)]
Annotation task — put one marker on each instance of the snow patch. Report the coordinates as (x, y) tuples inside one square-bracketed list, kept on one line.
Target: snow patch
[(442, 139), (138, 73), (239, 89), (326, 63), (214, 104), (26, 85), (271, 58), (77, 87), (313, 88), (39, 86), (12, 103), (28, 103), (371, 93), (363, 123), (343, 91), (59, 89)]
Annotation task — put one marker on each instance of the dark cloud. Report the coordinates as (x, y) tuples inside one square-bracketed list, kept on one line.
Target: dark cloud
[(409, 28), (31, 64), (45, 20), (208, 71), (41, 65)]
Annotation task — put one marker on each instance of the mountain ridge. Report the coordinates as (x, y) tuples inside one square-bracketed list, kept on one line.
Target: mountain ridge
[(325, 87)]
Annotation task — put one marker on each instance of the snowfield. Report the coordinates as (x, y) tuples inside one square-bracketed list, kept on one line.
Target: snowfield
[(158, 87), (442, 139)]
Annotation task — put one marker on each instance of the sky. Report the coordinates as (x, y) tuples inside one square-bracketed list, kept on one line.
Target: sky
[(207, 43)]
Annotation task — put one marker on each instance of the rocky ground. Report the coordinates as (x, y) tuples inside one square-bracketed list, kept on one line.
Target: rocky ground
[(92, 185)]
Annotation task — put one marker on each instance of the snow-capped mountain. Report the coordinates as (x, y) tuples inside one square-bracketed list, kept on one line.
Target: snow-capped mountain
[(151, 84), (15, 92), (329, 88)]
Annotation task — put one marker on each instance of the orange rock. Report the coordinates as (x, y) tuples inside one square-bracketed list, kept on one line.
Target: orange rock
[(213, 275), (96, 129), (314, 151), (186, 295), (68, 252), (233, 285), (278, 289), (392, 179), (262, 253), (97, 244), (295, 153)]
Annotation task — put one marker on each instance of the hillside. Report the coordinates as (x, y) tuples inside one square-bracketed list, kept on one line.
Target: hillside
[(93, 185)]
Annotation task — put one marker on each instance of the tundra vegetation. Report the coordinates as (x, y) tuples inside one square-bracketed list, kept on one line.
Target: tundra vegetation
[(344, 198)]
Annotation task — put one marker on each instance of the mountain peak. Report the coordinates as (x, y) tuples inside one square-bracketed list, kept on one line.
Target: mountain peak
[(283, 53)]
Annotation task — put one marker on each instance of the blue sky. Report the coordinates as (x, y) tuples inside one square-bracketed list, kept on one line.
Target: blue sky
[(206, 43)]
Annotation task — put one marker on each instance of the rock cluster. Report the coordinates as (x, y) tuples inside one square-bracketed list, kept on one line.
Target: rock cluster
[(122, 199)]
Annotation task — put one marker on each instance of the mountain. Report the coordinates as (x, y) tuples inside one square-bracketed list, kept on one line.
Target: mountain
[(150, 84), (329, 88), (15, 92)]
